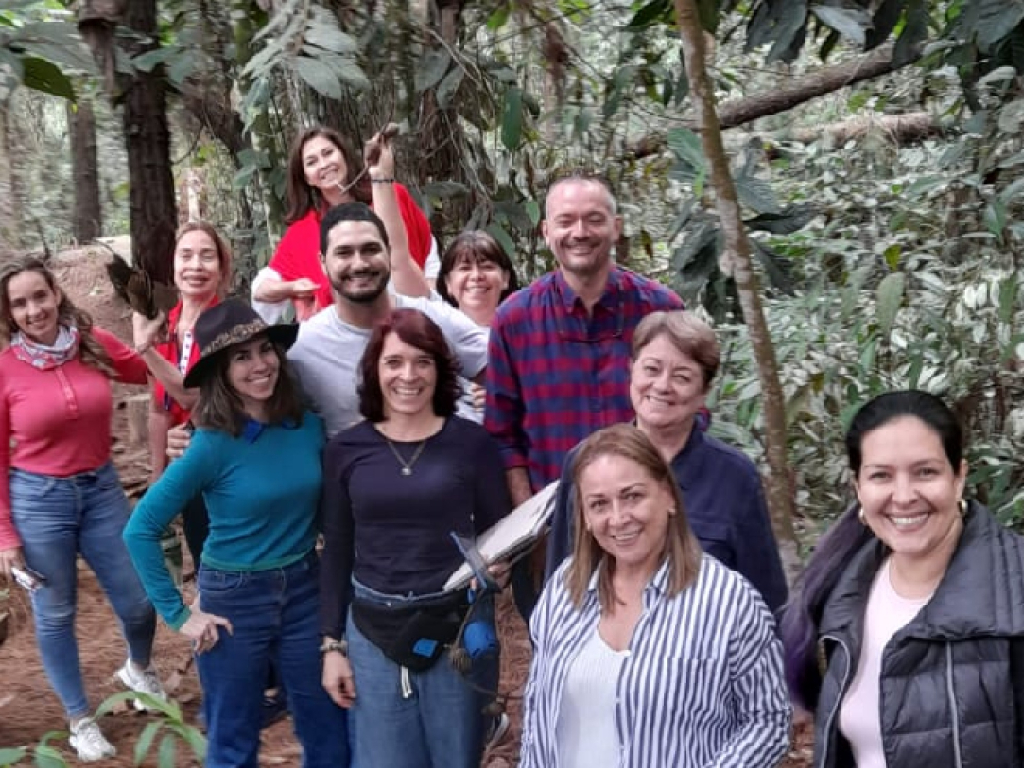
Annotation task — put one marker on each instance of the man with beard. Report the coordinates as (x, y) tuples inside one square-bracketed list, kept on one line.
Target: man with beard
[(558, 358), (356, 255)]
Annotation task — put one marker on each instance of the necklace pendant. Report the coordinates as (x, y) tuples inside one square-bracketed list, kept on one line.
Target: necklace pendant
[(406, 471)]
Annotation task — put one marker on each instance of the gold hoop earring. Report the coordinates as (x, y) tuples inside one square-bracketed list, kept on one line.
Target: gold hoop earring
[(963, 507), (860, 516)]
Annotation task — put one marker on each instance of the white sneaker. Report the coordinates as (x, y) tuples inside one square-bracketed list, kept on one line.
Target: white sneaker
[(90, 742), (145, 681)]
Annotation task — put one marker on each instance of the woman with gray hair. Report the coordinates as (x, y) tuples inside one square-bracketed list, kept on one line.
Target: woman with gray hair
[(675, 358)]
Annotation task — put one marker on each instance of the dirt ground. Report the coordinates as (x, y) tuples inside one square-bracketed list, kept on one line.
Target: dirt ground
[(28, 709)]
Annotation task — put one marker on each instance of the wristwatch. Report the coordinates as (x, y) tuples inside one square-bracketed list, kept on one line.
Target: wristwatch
[(330, 645)]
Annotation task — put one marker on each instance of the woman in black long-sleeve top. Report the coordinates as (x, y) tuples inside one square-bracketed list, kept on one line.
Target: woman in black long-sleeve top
[(395, 487)]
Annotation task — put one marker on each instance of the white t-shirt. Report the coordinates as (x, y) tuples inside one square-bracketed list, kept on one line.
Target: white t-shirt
[(859, 718), (327, 352)]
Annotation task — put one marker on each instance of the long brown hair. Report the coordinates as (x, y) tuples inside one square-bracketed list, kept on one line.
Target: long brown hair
[(682, 550), (300, 197), (224, 256), (90, 351), (220, 407)]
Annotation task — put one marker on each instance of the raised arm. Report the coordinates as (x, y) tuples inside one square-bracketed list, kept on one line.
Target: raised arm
[(406, 275)]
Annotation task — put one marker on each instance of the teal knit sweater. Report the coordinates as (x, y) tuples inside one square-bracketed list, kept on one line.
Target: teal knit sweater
[(261, 489)]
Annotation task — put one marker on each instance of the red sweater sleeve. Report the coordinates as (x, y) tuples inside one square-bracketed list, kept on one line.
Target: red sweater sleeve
[(129, 367), (417, 228)]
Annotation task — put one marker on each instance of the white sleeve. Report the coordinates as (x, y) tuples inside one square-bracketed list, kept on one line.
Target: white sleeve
[(432, 267), (271, 312), (468, 340)]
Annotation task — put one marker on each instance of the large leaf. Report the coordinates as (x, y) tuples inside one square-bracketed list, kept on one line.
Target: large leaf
[(449, 86), (12, 755), (656, 11), (784, 222), (775, 267), (757, 194), (346, 70), (883, 22), (512, 119), (915, 32), (320, 77), (888, 298), (686, 145), (48, 757), (322, 32), (432, 68), (996, 20), (46, 77), (851, 23), (690, 257), (56, 41)]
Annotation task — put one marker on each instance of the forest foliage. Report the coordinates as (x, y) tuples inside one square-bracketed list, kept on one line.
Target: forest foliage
[(888, 257)]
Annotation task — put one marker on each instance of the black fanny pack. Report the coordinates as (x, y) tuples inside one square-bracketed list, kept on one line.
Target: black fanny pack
[(413, 636)]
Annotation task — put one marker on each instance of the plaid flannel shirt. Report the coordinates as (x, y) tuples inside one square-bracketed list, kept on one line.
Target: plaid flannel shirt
[(555, 374)]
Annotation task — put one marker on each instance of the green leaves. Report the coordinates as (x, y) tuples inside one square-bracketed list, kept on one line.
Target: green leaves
[(319, 76), (851, 23), (888, 298), (512, 118), (996, 19), (45, 76)]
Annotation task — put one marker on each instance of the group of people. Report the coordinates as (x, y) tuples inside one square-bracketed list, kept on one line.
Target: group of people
[(323, 469)]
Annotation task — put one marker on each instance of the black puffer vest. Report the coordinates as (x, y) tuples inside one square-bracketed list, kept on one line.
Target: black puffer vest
[(952, 680)]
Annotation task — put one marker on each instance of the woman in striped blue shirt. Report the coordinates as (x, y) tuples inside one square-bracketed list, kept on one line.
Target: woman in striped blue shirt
[(647, 652)]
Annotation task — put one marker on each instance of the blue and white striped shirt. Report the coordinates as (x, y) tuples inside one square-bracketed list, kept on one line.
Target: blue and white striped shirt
[(703, 685)]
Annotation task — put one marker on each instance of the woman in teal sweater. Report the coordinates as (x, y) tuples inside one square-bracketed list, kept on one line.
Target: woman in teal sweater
[(255, 459)]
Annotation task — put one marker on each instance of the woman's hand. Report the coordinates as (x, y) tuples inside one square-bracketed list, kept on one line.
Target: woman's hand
[(379, 156), (303, 288), (178, 440), (146, 332), (338, 680), (203, 629), (10, 558), (478, 395)]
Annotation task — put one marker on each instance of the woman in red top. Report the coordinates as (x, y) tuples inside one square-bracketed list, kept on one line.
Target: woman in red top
[(59, 493), (202, 274), (325, 170)]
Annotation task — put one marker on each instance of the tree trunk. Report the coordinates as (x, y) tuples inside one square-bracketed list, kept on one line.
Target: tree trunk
[(88, 222), (9, 218), (151, 198), (736, 261), (773, 101)]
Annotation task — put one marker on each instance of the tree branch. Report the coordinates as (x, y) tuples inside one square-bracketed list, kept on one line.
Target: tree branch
[(774, 101)]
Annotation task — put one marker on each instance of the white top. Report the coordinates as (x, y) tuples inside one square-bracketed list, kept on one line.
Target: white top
[(327, 352), (586, 735), (859, 719)]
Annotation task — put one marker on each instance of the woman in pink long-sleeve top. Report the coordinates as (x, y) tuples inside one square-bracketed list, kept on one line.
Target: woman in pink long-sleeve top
[(59, 493)]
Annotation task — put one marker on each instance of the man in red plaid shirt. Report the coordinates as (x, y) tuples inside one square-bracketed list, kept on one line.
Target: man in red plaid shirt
[(559, 352)]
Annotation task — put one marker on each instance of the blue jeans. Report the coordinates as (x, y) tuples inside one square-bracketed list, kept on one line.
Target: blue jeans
[(56, 518), (275, 618), (437, 722)]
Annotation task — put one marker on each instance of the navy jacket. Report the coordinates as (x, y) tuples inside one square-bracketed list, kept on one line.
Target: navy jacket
[(725, 506)]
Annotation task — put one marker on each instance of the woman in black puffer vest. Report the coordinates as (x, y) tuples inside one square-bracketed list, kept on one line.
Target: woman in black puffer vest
[(906, 637)]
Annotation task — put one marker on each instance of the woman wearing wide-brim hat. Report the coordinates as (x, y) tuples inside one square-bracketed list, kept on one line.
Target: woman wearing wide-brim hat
[(255, 458)]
